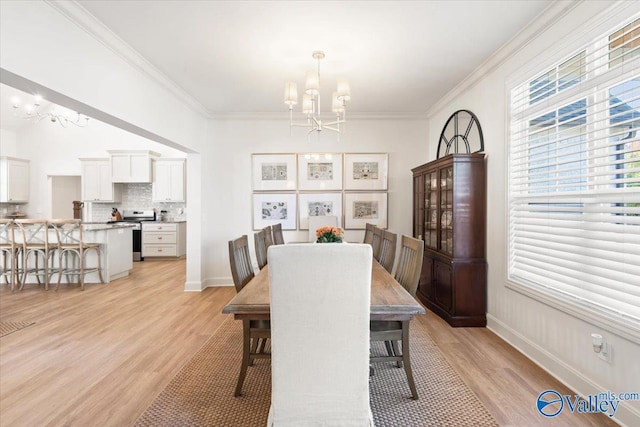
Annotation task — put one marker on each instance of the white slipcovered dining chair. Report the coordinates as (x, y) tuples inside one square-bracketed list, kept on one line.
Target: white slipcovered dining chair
[(320, 305), (316, 222)]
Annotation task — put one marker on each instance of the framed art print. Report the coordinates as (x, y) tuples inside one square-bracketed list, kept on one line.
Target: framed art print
[(318, 204), (366, 171), (273, 208), (320, 172), (363, 208), (274, 172)]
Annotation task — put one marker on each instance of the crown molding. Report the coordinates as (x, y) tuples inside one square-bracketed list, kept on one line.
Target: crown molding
[(536, 27), (79, 16), (284, 116)]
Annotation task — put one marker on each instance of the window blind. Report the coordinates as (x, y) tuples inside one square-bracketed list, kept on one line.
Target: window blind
[(574, 177)]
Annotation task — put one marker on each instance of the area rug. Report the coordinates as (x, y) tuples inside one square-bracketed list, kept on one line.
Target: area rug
[(201, 394), (9, 327)]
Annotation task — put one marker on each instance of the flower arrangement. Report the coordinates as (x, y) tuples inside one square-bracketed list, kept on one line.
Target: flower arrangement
[(328, 234)]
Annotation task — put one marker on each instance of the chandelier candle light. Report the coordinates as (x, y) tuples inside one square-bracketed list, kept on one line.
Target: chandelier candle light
[(32, 112), (311, 101)]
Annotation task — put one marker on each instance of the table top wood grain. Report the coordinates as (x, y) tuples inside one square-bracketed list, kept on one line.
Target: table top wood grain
[(389, 300)]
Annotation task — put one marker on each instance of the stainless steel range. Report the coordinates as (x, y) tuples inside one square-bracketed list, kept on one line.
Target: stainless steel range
[(137, 217)]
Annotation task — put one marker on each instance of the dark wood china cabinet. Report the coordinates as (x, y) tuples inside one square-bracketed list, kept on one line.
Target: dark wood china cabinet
[(449, 214)]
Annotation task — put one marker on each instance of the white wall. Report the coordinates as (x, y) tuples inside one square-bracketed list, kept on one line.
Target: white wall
[(227, 196), (557, 341), (7, 143)]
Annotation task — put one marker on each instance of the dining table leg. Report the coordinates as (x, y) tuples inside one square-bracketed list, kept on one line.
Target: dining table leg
[(246, 343), (406, 356)]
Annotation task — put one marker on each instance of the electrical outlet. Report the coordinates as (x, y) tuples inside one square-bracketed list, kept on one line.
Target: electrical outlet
[(601, 347), (605, 353)]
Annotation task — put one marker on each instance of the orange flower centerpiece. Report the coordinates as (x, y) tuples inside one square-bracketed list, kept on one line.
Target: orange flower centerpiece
[(328, 234)]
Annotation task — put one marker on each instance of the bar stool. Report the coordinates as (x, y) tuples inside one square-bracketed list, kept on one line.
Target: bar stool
[(33, 248), (69, 243), (8, 252)]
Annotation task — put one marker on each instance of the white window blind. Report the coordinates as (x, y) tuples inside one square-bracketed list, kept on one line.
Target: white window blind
[(574, 171)]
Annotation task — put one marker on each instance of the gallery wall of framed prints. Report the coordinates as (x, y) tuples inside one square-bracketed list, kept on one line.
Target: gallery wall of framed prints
[(288, 188)]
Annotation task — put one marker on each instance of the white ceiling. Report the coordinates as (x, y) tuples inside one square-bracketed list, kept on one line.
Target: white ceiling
[(235, 56)]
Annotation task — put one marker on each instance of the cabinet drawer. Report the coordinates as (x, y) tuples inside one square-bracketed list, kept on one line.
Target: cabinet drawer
[(153, 237), (159, 227), (159, 250)]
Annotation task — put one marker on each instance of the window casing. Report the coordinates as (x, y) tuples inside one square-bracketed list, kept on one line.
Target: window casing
[(574, 181)]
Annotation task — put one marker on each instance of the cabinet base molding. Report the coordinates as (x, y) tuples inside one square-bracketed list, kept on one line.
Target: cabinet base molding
[(479, 320)]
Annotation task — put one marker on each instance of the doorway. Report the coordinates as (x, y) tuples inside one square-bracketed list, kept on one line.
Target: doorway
[(64, 190)]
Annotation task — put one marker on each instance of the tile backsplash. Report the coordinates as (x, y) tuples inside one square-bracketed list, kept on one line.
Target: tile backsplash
[(136, 196)]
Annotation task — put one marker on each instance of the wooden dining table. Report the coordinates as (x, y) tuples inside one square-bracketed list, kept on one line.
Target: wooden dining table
[(389, 302)]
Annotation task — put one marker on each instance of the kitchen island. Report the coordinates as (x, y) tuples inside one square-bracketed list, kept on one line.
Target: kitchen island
[(116, 242)]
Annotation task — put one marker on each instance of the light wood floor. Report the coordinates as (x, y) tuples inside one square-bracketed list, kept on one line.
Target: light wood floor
[(99, 357)]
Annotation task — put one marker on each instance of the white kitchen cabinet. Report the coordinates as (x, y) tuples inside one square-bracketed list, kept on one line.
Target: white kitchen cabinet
[(168, 180), (131, 166), (14, 180), (96, 182), (164, 239)]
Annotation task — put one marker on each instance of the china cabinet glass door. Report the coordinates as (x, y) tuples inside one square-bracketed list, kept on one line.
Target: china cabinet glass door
[(446, 210), (431, 210)]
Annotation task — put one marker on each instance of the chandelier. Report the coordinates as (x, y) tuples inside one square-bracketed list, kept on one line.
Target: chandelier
[(311, 101), (32, 112)]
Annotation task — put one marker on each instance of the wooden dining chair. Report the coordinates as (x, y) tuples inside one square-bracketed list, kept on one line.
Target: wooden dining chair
[(260, 244), (320, 351), (368, 233), (376, 243), (268, 236), (254, 332), (388, 250), (407, 274), (278, 238)]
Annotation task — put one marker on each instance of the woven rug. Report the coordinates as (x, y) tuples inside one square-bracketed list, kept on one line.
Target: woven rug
[(8, 327), (201, 394)]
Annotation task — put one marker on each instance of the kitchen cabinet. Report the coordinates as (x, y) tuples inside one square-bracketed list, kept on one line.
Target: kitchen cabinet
[(168, 180), (164, 239), (449, 214), (96, 182), (131, 166), (14, 180)]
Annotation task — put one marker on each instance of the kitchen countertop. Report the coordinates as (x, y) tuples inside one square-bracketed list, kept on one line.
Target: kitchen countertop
[(100, 226)]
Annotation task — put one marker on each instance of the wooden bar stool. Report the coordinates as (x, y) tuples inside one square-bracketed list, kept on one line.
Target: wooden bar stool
[(8, 252), (68, 244), (32, 256)]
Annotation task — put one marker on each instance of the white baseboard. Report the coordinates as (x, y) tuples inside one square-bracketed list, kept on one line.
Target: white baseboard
[(199, 286), (575, 380), (193, 286), (217, 281)]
